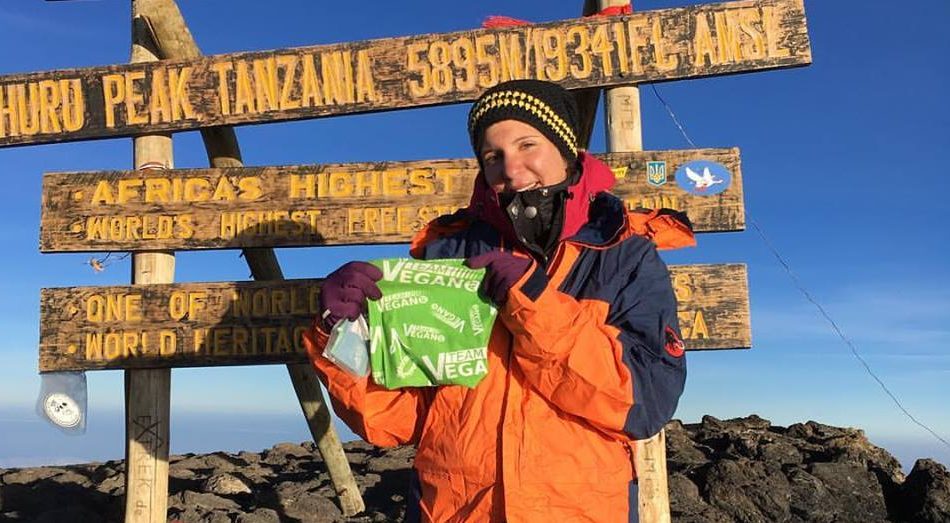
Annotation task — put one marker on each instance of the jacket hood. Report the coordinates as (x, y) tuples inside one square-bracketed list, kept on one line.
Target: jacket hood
[(596, 177)]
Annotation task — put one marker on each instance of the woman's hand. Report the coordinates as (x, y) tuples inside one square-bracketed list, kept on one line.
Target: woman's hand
[(504, 270), (344, 293)]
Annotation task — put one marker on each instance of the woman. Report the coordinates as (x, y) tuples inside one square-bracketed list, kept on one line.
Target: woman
[(585, 355)]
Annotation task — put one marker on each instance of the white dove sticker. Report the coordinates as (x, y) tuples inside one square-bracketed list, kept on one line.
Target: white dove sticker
[(703, 178)]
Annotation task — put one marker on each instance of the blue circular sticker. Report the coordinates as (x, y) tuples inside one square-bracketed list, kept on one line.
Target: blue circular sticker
[(703, 178)]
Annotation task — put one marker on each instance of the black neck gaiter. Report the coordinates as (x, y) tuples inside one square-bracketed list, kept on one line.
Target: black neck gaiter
[(537, 215)]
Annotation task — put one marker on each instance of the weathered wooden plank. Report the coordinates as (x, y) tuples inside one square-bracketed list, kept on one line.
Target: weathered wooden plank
[(321, 204), (374, 75), (254, 323)]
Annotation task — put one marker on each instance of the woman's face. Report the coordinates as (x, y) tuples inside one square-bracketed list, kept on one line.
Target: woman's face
[(517, 157)]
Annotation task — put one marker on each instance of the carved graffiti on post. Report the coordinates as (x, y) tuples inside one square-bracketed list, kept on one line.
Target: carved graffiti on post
[(325, 204), (374, 75)]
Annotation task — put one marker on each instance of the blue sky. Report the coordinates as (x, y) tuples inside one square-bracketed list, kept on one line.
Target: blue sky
[(845, 171)]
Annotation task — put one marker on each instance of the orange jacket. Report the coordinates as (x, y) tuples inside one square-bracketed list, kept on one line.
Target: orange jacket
[(585, 356)]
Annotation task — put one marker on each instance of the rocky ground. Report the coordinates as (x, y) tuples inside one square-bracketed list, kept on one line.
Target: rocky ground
[(742, 470)]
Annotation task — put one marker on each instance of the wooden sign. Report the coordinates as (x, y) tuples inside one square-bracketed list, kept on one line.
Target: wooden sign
[(253, 323), (375, 75), (326, 204)]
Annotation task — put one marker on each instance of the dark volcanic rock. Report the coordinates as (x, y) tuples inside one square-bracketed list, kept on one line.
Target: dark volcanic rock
[(926, 493), (720, 471)]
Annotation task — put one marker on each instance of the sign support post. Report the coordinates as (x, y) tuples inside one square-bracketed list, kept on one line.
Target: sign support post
[(176, 42), (625, 134), (148, 391)]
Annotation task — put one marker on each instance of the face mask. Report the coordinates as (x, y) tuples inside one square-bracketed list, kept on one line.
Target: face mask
[(537, 215)]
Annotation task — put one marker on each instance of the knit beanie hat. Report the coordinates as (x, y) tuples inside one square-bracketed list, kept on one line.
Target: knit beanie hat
[(547, 107)]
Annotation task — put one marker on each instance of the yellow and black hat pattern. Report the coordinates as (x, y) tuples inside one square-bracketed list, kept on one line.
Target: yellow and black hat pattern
[(545, 106)]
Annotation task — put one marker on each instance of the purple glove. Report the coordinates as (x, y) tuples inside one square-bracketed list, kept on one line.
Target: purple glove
[(504, 270), (344, 292)]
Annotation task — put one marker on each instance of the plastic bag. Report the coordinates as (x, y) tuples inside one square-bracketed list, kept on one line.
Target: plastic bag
[(62, 401), (347, 346)]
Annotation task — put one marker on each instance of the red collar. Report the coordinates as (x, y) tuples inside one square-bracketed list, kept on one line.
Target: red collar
[(596, 177)]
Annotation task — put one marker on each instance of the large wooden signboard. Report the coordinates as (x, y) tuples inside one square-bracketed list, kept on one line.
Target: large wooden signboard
[(253, 323), (374, 75), (326, 204)]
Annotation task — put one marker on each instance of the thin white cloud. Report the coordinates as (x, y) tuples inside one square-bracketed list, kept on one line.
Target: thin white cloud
[(905, 318)]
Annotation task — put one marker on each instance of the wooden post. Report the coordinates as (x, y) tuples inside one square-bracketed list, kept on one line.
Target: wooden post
[(148, 392), (176, 42), (625, 134)]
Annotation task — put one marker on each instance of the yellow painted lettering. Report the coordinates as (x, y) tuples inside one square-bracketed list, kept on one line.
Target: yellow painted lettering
[(251, 188), (167, 342), (244, 101), (463, 58), (445, 177), (93, 346), (620, 37), (113, 92), (414, 64), (288, 64), (365, 83), (311, 94), (278, 302), (366, 183), (157, 190), (352, 220), (440, 59), (103, 194), (339, 185), (703, 47), (555, 49), (197, 190), (28, 108), (580, 36), (265, 84), (683, 287), (178, 85), (133, 307), (699, 329), (394, 182), (512, 58), (638, 37), (95, 308), (753, 47), (177, 305), (224, 92), (50, 100), (663, 60), (420, 182), (302, 186), (485, 58), (337, 77), (772, 33), (9, 118), (134, 98), (159, 107), (727, 37), (283, 341), (128, 189), (74, 106), (130, 342), (602, 45), (224, 191)]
